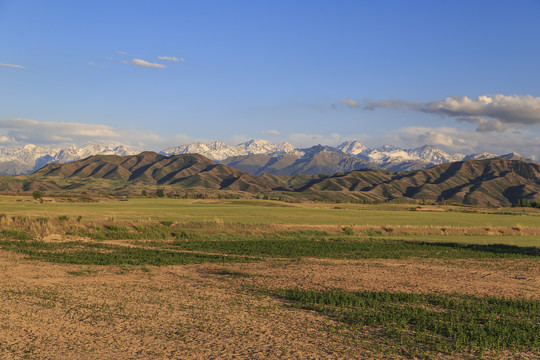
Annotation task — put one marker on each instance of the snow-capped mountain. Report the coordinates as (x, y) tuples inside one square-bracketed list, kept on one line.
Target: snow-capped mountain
[(479, 156), (510, 156), (217, 150), (391, 154), (352, 147), (28, 158)]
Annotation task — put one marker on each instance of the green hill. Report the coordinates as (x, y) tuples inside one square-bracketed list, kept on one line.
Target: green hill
[(483, 182)]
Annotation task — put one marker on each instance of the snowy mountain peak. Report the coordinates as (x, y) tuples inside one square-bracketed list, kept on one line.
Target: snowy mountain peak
[(352, 147), (32, 157), (218, 150), (434, 155), (479, 156), (28, 158), (258, 146)]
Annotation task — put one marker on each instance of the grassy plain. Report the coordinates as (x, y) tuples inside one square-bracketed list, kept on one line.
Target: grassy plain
[(275, 212), (184, 278)]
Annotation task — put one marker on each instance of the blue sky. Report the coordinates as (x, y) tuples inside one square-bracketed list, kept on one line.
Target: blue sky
[(462, 75)]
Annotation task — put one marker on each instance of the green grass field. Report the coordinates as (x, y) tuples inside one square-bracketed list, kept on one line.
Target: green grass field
[(271, 212), (163, 232), (417, 324)]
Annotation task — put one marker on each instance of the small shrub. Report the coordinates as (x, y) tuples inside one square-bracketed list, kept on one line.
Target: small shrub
[(63, 218), (112, 227), (348, 230), (373, 232), (166, 223), (389, 230), (16, 234)]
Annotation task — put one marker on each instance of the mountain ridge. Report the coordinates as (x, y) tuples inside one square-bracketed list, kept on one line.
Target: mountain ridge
[(497, 182), (279, 159)]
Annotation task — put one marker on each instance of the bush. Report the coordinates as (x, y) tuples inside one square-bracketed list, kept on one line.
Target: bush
[(348, 230), (37, 195), (16, 234)]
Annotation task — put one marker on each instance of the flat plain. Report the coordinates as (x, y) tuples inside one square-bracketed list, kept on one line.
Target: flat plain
[(213, 278)]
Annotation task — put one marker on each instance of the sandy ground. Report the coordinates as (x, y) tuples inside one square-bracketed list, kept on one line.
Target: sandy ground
[(56, 311)]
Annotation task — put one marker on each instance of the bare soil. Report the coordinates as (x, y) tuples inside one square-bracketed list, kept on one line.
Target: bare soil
[(209, 311)]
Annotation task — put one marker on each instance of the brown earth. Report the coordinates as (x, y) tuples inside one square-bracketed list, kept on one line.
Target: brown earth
[(209, 311)]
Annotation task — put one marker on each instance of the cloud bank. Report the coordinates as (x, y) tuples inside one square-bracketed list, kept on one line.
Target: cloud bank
[(464, 141), (489, 112), (18, 130)]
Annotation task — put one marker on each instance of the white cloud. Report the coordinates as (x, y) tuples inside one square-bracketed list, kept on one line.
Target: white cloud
[(26, 131), (12, 66), (273, 132), (350, 102), (31, 131), (489, 112), (484, 125), (143, 63), (171, 58)]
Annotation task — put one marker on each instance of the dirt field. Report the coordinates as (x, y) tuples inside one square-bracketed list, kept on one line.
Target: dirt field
[(209, 311)]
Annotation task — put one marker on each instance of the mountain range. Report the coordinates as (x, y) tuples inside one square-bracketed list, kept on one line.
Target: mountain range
[(28, 158), (484, 182), (256, 156)]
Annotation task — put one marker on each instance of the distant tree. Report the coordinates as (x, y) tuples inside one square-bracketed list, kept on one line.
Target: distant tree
[(526, 203), (160, 192), (37, 195), (144, 193)]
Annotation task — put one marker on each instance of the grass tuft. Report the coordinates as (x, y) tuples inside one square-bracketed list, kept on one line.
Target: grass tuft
[(430, 322), (16, 234)]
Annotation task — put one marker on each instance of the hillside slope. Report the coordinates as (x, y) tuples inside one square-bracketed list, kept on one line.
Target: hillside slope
[(483, 182), (150, 168)]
